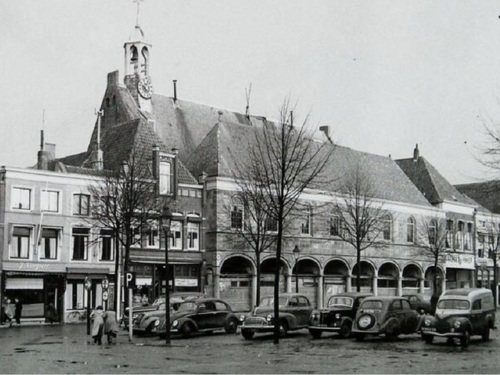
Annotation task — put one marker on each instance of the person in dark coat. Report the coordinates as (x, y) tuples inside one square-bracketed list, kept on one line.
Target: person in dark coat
[(97, 317), (7, 312), (18, 310), (110, 325), (51, 313)]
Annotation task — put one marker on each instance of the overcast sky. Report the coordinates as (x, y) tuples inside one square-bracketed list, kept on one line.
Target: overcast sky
[(384, 75)]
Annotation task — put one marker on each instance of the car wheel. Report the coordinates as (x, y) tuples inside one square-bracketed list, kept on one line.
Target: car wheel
[(247, 334), (428, 338), (149, 329), (465, 339), (345, 330), (186, 330), (315, 333), (231, 326), (392, 331), (359, 337), (486, 334), (283, 328)]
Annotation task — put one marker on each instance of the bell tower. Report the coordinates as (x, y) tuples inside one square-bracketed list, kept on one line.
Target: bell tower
[(137, 72)]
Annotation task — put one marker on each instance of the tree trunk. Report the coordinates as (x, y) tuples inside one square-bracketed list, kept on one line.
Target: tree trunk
[(257, 259), (277, 274)]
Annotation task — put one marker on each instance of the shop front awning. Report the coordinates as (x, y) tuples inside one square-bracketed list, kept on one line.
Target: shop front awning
[(79, 272)]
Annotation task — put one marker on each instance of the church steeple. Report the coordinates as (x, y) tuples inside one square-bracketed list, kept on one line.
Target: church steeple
[(137, 66)]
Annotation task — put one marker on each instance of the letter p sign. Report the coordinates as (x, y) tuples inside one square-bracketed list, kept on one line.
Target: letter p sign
[(130, 279)]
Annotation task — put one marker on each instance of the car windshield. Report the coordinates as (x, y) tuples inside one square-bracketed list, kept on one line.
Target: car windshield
[(158, 301), (373, 304), (340, 301), (269, 302), (453, 304), (187, 306)]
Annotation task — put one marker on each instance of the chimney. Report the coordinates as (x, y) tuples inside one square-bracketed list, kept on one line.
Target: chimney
[(43, 155), (202, 177), (175, 90), (326, 129), (113, 78), (97, 156), (175, 151), (416, 153)]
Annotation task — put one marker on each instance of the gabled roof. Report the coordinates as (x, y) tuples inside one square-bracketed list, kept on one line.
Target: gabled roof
[(431, 183), (228, 143), (486, 193)]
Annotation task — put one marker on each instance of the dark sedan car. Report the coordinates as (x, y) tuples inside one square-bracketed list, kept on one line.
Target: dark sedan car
[(337, 316), (421, 303), (200, 315), (389, 316)]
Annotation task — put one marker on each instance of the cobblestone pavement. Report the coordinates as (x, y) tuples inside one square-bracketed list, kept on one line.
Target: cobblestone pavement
[(67, 349)]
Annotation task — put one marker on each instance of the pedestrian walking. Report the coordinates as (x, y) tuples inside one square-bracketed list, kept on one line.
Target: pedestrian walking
[(51, 313), (110, 325), (97, 317), (7, 312), (18, 310)]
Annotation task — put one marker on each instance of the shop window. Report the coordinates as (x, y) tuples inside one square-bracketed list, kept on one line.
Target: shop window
[(237, 217), (80, 243), (387, 228), (20, 244), (50, 201), (387, 283), (410, 230), (75, 295), (81, 204), (50, 240), (21, 198), (106, 245), (193, 231)]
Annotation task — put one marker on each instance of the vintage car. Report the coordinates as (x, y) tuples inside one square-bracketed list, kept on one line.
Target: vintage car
[(421, 303), (390, 316), (200, 315), (461, 313), (144, 321), (294, 312), (337, 316)]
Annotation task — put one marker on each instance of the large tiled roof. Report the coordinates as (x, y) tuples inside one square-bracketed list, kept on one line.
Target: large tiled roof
[(431, 183), (486, 193), (227, 143)]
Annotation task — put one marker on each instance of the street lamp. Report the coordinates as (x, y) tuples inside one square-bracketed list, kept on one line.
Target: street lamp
[(296, 253), (166, 218)]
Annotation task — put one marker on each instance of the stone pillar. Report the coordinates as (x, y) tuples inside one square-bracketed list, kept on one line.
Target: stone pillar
[(216, 277), (400, 285), (254, 290), (348, 282), (319, 302), (421, 285), (375, 286), (288, 280)]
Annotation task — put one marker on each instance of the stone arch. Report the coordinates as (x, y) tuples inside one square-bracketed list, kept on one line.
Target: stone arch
[(412, 276), (367, 272), (387, 279), (336, 273), (235, 282), (429, 275), (267, 271)]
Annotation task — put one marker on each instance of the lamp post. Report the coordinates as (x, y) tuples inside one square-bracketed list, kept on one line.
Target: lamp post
[(166, 218), (296, 253)]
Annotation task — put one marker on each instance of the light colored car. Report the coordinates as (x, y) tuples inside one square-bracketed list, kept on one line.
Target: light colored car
[(460, 314), (294, 312), (389, 316)]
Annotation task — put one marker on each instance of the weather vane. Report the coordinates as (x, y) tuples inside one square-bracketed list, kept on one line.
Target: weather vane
[(138, 2)]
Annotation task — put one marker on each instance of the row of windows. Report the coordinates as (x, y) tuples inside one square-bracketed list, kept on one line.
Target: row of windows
[(50, 201), (48, 245), (179, 232), (459, 239)]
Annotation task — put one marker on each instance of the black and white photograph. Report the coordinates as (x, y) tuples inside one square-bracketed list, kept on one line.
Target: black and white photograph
[(249, 187)]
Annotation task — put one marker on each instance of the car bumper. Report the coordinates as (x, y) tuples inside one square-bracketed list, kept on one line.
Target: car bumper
[(324, 328), (258, 327), (431, 332)]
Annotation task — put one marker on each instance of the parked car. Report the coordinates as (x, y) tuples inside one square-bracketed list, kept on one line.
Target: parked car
[(199, 315), (421, 303), (390, 316), (461, 313), (144, 321), (294, 312), (337, 316)]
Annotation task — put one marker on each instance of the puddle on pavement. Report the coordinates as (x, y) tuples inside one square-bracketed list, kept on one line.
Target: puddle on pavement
[(120, 366), (72, 362), (23, 350)]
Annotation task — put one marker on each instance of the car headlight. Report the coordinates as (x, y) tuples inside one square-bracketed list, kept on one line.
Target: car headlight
[(269, 318), (134, 316), (242, 318), (427, 322), (157, 323), (175, 323), (364, 322), (315, 315), (456, 324), (337, 316)]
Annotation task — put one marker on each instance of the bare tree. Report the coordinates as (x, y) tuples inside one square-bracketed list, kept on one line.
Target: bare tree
[(283, 161), (488, 247), (434, 238), (359, 216), (124, 200)]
